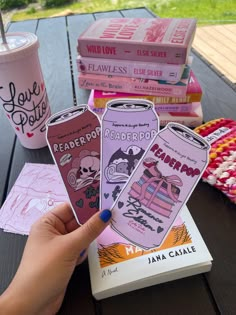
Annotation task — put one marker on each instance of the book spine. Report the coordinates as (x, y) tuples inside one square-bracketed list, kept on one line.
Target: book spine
[(186, 121), (194, 94), (130, 85), (100, 102), (192, 119), (161, 108), (174, 108), (189, 98), (134, 69), (132, 51), (140, 39), (193, 84)]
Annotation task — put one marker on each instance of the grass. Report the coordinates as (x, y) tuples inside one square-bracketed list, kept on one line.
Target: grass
[(206, 11)]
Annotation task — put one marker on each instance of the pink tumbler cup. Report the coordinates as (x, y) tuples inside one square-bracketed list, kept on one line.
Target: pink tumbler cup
[(23, 93)]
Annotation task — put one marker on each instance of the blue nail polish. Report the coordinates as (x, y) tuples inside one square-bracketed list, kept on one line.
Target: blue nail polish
[(105, 215), (82, 253)]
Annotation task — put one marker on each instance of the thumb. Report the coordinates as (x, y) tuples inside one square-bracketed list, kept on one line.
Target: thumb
[(81, 238)]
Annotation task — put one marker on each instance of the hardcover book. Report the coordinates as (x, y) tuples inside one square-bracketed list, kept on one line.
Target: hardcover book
[(180, 108), (165, 40), (112, 83), (116, 266), (193, 94), (175, 108), (133, 69), (192, 118)]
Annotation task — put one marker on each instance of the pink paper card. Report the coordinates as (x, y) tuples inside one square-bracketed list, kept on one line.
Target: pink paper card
[(73, 137), (128, 126), (37, 190), (160, 185)]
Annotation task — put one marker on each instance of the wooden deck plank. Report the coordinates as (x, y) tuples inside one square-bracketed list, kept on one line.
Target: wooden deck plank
[(231, 27), (225, 66), (228, 33), (217, 40), (218, 45), (219, 37), (218, 59)]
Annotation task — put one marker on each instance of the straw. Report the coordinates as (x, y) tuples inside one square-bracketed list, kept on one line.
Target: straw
[(2, 29)]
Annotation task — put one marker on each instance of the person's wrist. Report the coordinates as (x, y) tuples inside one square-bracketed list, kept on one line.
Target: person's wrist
[(13, 304), (7, 305)]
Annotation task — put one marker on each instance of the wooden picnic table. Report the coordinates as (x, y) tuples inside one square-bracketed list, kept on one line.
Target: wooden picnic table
[(214, 214)]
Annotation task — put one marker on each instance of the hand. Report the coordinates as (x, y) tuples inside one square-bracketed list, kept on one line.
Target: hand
[(56, 244)]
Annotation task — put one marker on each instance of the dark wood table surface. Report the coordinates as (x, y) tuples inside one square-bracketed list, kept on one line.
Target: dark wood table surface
[(214, 214)]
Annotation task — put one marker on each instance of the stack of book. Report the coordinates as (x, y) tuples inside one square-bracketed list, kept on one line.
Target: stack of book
[(142, 58)]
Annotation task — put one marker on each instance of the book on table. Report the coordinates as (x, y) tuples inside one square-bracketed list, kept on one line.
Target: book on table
[(193, 94), (117, 266), (166, 40), (129, 68), (115, 83), (191, 118)]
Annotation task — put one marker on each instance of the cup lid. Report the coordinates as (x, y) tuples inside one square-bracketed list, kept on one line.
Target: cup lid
[(18, 45)]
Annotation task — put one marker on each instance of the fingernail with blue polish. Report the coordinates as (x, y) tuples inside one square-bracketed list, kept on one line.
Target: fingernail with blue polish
[(82, 253), (105, 215)]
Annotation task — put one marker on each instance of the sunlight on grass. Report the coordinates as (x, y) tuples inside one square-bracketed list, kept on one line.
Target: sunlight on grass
[(206, 11)]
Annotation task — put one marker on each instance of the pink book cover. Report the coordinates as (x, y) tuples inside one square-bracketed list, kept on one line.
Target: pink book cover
[(183, 108), (192, 119), (127, 68), (91, 81), (175, 108), (193, 87), (103, 94), (193, 84), (193, 94), (145, 39)]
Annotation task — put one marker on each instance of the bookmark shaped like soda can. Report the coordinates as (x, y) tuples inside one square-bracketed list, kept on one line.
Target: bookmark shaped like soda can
[(128, 126), (160, 185), (73, 137)]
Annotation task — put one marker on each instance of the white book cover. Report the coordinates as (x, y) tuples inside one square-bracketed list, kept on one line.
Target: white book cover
[(117, 266), (133, 69)]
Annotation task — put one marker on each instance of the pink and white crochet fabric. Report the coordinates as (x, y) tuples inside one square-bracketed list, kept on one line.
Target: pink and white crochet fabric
[(221, 170)]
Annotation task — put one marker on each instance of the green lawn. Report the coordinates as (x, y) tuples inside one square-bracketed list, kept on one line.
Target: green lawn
[(206, 11)]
